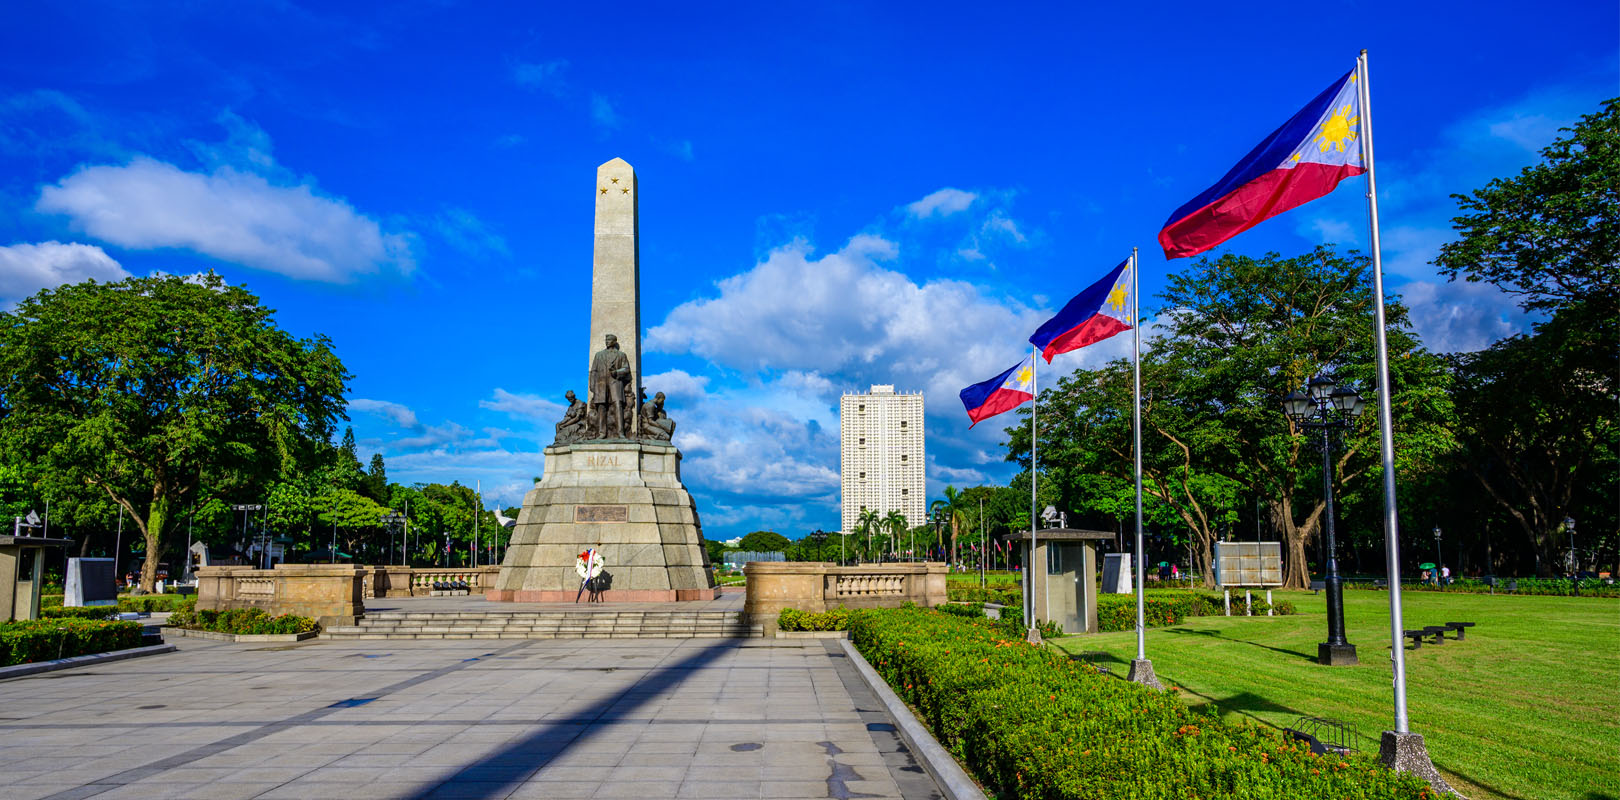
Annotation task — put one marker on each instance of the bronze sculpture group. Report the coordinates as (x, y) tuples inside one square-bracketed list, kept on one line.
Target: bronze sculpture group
[(611, 412)]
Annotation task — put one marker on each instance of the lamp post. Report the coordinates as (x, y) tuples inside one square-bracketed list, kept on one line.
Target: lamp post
[(1439, 560), (819, 536), (1574, 558), (1327, 407), (392, 519), (245, 508)]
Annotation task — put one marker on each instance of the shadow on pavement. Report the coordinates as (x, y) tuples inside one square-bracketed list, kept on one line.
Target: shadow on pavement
[(497, 774)]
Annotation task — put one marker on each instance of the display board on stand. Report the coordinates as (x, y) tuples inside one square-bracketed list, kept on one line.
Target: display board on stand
[(1248, 566)]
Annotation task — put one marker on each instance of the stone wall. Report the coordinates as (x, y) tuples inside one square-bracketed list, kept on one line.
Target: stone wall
[(332, 594), (820, 585)]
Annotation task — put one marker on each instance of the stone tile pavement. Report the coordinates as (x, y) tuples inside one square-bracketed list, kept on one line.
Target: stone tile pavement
[(612, 718)]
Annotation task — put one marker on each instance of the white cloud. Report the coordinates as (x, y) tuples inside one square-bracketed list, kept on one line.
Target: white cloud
[(850, 321), (944, 203), (1461, 317), (545, 75), (602, 111), (677, 385), (228, 214), (464, 231), (1328, 230), (999, 223), (529, 406), (398, 413), (27, 268)]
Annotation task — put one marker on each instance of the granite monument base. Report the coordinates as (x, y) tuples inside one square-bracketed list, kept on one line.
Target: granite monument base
[(626, 500)]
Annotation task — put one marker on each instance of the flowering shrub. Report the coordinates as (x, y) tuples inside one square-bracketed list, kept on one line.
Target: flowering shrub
[(1031, 723), (792, 619), (28, 641), (244, 621)]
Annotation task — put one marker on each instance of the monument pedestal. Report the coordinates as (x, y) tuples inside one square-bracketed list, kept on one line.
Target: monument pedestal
[(626, 500)]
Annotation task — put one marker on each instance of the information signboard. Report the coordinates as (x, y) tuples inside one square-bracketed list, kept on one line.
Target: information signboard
[(1248, 563)]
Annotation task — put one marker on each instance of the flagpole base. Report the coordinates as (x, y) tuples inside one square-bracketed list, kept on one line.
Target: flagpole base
[(1404, 752), (1142, 672), (1336, 655), (1034, 636)]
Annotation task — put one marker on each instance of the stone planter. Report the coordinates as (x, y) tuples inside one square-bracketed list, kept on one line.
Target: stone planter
[(812, 634), (241, 637)]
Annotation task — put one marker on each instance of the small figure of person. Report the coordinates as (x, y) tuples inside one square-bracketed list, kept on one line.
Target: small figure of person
[(1445, 575), (1175, 573)]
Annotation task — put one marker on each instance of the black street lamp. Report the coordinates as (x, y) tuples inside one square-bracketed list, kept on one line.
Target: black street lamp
[(818, 537), (1574, 557), (1439, 559), (1326, 406), (939, 525)]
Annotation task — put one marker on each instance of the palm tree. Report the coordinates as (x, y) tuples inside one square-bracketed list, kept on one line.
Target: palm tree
[(867, 523), (933, 513), (896, 523), (952, 507)]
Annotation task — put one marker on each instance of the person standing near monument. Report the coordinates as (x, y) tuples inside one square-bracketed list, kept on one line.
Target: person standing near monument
[(609, 382)]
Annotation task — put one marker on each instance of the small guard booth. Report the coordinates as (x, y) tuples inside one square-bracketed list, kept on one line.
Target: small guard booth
[(1063, 574), (22, 572)]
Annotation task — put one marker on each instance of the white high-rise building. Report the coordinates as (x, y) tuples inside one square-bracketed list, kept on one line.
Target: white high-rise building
[(881, 448)]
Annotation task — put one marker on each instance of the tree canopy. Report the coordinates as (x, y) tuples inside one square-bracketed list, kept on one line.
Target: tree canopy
[(148, 388)]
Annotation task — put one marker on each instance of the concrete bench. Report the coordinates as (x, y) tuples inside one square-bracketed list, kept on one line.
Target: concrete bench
[(1461, 628)]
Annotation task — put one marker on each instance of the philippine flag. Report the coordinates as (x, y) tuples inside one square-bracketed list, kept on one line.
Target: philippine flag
[(1299, 162), (1095, 314), (1004, 392)]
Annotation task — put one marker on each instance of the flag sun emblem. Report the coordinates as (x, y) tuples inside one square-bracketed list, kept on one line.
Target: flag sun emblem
[(1337, 130)]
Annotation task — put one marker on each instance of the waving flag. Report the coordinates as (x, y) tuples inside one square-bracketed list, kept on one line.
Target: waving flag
[(1095, 314), (1299, 162), (1004, 392)]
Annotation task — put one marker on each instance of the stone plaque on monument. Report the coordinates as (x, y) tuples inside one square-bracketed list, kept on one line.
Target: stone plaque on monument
[(612, 478)]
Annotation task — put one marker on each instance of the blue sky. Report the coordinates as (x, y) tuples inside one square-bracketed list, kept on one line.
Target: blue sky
[(831, 195)]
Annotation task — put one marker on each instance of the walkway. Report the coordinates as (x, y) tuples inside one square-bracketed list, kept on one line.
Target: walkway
[(729, 601), (643, 719)]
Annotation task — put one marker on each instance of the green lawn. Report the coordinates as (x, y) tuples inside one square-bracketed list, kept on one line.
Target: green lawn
[(1528, 706)]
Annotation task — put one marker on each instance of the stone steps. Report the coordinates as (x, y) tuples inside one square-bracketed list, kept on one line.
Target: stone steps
[(547, 625)]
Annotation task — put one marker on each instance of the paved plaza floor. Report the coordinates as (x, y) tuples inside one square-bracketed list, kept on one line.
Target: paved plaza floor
[(625, 718)]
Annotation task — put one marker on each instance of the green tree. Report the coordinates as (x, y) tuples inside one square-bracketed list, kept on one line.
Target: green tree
[(147, 387), (1241, 333), (764, 542), (895, 524), (867, 524), (1550, 236), (375, 483)]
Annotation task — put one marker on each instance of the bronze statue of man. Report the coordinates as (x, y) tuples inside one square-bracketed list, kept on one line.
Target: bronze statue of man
[(655, 422), (609, 385), (572, 427)]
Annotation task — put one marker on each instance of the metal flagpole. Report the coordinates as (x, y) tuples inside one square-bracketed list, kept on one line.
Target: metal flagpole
[(1386, 446), (1141, 668), (1400, 748), (1034, 470)]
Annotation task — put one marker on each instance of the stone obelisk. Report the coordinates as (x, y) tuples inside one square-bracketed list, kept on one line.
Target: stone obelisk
[(615, 490), (616, 267)]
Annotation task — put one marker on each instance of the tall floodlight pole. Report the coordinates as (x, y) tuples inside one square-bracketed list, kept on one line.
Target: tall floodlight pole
[(1399, 748), (1141, 667)]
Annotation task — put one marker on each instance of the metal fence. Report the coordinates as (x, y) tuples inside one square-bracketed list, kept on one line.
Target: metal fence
[(740, 557)]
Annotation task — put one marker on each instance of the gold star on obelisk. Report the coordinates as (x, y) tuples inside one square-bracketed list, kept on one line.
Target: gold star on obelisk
[(615, 180), (625, 190), (604, 190)]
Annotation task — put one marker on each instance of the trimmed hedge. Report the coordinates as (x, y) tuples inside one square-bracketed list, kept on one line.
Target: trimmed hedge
[(87, 612), (1557, 587), (792, 619), (1116, 612), (1031, 723), (35, 640), (154, 602), (1005, 595), (246, 620)]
